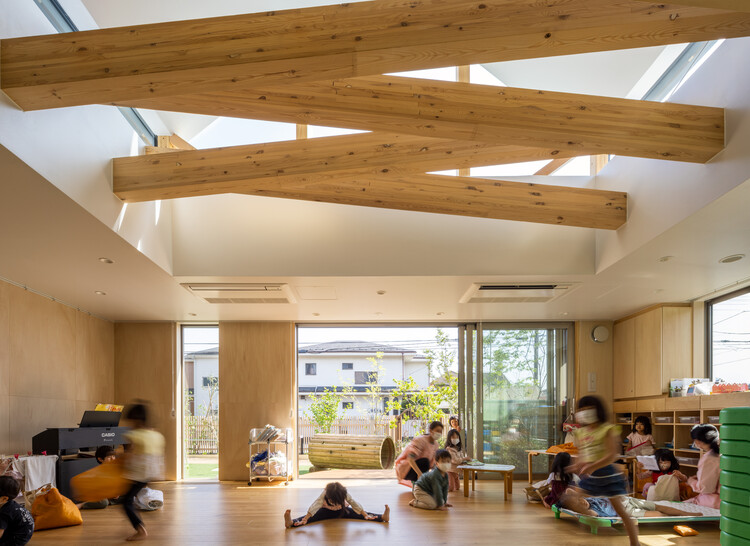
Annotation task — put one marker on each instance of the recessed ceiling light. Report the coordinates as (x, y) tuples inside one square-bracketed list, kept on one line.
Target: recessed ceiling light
[(664, 259), (100, 293), (731, 258), (316, 314), (192, 315), (440, 313), (106, 261), (381, 292), (564, 314)]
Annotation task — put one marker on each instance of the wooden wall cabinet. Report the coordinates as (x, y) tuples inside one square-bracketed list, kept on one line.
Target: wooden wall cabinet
[(623, 362), (651, 348)]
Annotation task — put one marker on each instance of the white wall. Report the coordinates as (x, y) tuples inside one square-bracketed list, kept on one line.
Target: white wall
[(329, 372), (73, 149), (662, 193)]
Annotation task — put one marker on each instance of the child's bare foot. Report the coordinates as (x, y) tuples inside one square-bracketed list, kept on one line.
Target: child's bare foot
[(288, 519), (387, 513), (411, 502), (140, 534)]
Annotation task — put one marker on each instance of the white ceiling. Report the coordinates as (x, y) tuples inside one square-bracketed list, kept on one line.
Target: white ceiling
[(53, 228)]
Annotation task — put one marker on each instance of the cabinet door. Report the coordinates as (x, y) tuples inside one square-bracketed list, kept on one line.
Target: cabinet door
[(624, 360), (648, 335), (677, 344)]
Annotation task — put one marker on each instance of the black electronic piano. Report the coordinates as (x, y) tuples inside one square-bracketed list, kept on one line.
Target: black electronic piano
[(74, 446)]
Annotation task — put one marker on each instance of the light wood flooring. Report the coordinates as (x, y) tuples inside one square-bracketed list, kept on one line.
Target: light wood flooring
[(233, 513)]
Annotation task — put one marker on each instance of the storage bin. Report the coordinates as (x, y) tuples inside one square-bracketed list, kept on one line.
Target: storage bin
[(663, 419), (687, 460), (713, 419), (734, 527), (731, 479), (735, 432), (740, 465), (731, 540), (688, 419), (735, 496)]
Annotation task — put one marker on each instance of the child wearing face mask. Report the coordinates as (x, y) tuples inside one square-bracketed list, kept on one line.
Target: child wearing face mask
[(598, 444), (431, 489), (419, 455), (670, 469), (458, 456)]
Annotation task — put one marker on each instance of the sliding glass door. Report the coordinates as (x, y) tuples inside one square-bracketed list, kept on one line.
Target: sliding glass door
[(515, 382)]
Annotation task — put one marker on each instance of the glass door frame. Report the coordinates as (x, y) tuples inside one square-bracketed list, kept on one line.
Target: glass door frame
[(471, 369)]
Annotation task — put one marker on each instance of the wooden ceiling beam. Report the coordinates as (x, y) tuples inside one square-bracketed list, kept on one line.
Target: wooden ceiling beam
[(338, 176), (552, 166), (584, 124), (326, 42), (461, 196), (731, 5), (229, 170)]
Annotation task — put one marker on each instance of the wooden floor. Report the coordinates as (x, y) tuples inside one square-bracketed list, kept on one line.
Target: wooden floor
[(233, 513)]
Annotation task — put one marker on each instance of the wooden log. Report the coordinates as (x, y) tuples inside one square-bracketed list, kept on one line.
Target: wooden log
[(351, 451)]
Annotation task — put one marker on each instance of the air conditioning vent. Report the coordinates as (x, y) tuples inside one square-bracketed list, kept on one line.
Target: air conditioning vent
[(516, 292), (242, 293)]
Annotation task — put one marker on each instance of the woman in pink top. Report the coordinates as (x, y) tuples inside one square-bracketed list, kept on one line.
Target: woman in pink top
[(419, 455), (706, 482)]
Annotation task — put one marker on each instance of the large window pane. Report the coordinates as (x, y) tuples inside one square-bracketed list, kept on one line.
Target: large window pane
[(522, 388), (730, 338)]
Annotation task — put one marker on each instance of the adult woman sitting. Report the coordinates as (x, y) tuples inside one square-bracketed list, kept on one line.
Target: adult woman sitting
[(706, 482), (419, 455)]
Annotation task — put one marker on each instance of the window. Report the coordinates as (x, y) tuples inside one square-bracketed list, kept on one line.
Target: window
[(211, 381), (311, 368), (347, 405), (365, 378), (728, 337), (347, 366)]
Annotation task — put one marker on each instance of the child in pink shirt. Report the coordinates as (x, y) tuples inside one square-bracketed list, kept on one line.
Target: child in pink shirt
[(706, 482)]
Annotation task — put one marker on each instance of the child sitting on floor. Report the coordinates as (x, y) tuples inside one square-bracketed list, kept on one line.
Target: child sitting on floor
[(458, 456), (601, 507), (332, 504), (668, 478), (559, 479), (431, 489), (16, 524)]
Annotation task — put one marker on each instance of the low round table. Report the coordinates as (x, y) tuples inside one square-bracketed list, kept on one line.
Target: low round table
[(505, 469)]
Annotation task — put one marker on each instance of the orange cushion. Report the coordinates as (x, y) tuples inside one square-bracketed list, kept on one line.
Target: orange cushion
[(51, 510), (104, 481), (685, 531)]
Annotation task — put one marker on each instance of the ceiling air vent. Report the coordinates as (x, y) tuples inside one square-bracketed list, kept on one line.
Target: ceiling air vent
[(242, 292), (516, 292)]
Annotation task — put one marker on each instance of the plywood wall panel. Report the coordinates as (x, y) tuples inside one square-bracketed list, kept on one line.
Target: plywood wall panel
[(95, 359), (31, 415), (42, 344), (257, 386), (144, 364), (55, 362), (596, 358), (4, 340)]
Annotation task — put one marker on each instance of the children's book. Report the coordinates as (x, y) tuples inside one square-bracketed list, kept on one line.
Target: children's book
[(648, 462)]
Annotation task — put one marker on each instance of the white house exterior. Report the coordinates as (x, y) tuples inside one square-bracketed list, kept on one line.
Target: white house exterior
[(339, 364), (199, 367)]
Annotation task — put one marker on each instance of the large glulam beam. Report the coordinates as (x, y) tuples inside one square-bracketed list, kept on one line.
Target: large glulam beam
[(584, 124), (732, 5), (226, 170), (462, 196), (373, 170), (359, 39)]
